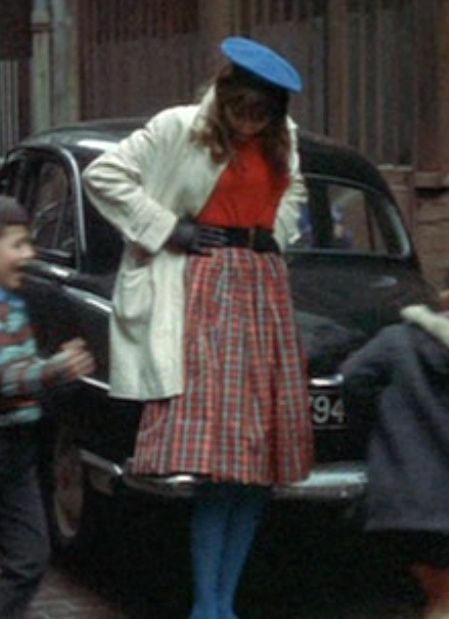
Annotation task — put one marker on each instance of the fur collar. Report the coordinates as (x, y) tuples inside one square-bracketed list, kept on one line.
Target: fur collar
[(435, 323)]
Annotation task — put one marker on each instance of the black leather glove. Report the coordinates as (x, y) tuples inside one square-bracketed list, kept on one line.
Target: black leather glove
[(196, 239)]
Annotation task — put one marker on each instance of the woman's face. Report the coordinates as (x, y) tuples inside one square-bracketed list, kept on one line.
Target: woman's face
[(247, 116), (245, 125)]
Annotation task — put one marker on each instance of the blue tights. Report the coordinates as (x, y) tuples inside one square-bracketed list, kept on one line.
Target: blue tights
[(224, 521)]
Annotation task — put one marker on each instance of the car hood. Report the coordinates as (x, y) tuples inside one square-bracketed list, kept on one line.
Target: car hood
[(341, 302)]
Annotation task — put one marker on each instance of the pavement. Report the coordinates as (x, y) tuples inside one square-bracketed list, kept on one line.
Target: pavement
[(296, 571), (66, 596), (70, 593), (63, 596)]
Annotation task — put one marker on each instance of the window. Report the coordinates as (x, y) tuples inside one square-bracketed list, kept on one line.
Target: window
[(347, 219), (50, 203), (103, 240), (10, 178)]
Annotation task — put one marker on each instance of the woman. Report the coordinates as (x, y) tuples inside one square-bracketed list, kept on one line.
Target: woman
[(203, 328)]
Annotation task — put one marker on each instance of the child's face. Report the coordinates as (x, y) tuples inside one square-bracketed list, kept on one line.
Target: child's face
[(16, 250)]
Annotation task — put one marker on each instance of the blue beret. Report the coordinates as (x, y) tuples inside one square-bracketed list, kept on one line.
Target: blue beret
[(263, 62)]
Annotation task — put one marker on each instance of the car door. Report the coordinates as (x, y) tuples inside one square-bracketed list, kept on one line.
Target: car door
[(351, 271), (65, 300), (42, 180), (354, 263)]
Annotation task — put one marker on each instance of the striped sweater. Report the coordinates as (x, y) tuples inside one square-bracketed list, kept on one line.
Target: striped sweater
[(21, 372)]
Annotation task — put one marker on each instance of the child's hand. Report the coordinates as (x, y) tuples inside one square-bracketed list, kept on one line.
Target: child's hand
[(73, 361), (76, 344), (79, 360)]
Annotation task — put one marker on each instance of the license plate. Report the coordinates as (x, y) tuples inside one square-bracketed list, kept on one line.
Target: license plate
[(327, 410)]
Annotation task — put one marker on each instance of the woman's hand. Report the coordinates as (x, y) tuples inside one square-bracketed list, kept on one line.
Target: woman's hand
[(196, 239)]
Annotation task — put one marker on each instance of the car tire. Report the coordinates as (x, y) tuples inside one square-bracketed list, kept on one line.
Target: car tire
[(70, 502)]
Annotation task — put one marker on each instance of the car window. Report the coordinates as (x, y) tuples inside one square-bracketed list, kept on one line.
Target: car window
[(104, 242), (50, 204), (11, 178), (339, 217)]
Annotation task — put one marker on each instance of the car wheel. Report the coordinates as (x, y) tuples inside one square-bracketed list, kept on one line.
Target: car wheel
[(68, 487), (69, 500)]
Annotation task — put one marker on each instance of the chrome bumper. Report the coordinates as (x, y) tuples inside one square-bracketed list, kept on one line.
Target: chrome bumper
[(336, 481), (339, 481)]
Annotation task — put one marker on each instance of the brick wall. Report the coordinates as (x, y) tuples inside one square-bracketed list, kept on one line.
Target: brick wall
[(431, 235), (426, 215)]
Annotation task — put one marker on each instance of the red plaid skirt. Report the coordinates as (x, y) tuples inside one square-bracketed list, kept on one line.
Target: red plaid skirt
[(244, 414)]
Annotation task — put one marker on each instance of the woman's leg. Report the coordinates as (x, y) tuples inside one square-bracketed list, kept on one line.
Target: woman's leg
[(247, 507), (224, 521), (208, 529)]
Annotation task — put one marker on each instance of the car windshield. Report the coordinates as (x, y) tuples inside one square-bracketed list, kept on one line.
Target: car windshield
[(342, 217)]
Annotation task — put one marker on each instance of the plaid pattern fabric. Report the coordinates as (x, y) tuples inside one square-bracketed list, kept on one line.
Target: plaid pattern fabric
[(244, 414)]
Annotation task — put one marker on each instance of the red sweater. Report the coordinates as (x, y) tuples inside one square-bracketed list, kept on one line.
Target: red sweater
[(247, 193)]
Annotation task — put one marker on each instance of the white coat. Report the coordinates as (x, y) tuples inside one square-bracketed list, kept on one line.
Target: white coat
[(152, 178)]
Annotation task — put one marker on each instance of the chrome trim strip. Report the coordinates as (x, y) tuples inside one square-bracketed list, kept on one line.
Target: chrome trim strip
[(90, 298), (39, 268), (176, 486), (326, 381), (107, 466), (76, 176), (94, 382), (59, 272), (328, 482), (340, 481)]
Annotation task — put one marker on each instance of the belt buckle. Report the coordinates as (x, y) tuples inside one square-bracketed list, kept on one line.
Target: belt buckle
[(251, 237)]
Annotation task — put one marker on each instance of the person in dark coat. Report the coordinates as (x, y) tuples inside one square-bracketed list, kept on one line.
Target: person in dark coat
[(399, 383)]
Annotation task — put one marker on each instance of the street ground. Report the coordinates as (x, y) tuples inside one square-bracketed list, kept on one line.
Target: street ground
[(314, 569), (64, 596)]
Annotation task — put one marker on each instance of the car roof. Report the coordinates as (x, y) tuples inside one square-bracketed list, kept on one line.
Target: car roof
[(319, 154)]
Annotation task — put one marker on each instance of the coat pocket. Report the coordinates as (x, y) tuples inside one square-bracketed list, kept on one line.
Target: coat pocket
[(132, 294)]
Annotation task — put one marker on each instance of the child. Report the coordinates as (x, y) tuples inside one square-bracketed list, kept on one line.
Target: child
[(402, 376), (24, 547)]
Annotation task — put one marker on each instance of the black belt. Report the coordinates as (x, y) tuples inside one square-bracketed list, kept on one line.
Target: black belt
[(257, 239)]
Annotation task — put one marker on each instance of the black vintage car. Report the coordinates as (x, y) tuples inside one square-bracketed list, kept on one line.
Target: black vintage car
[(352, 270)]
